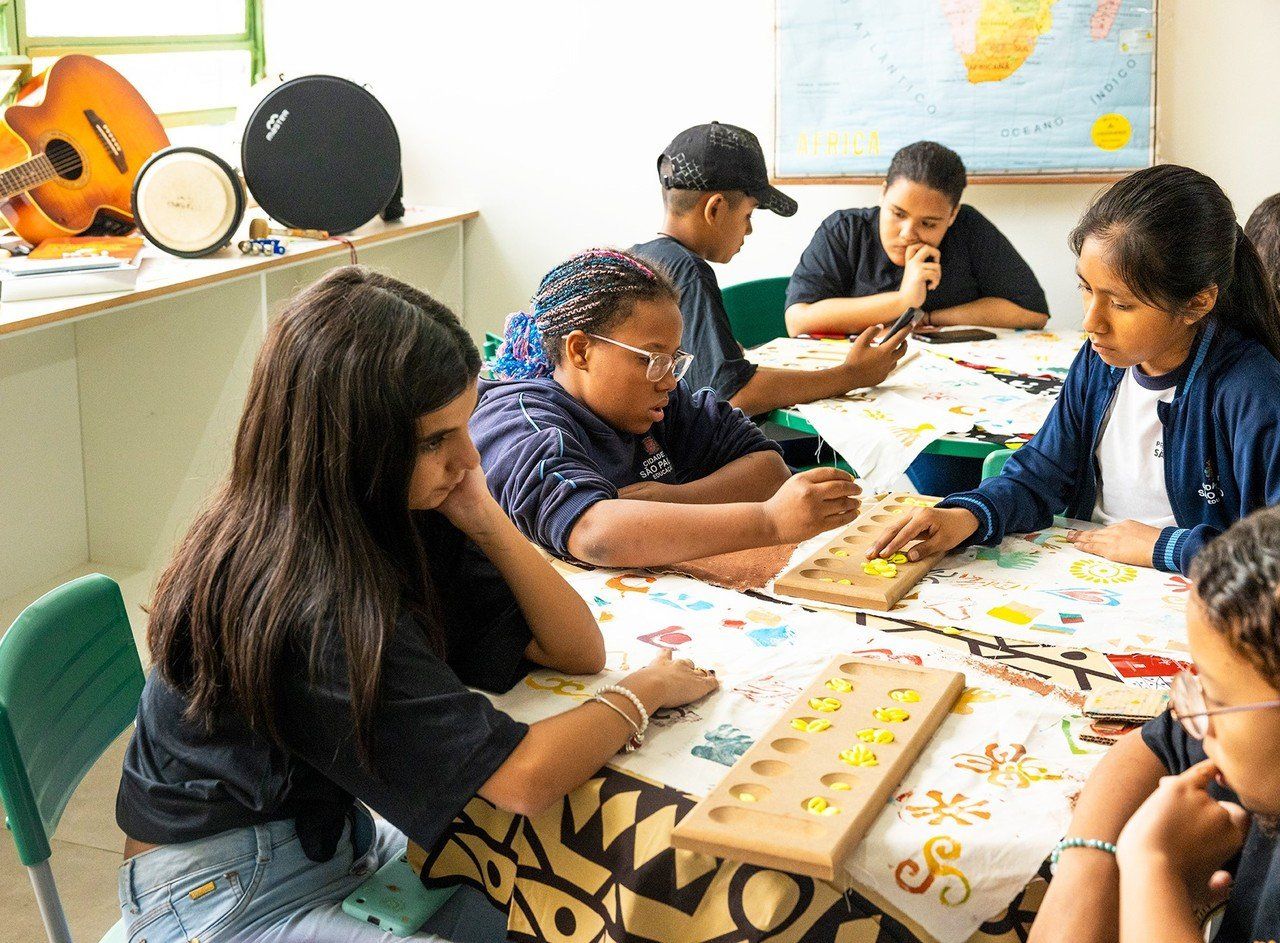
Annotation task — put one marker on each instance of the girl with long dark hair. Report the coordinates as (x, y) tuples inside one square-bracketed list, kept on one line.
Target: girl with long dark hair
[(315, 634)]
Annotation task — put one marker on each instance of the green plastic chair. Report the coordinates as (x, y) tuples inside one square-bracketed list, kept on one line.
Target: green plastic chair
[(993, 464), (70, 680), (757, 310), (491, 342)]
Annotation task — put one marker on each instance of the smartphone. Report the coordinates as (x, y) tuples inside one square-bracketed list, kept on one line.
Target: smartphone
[(911, 316), (394, 899), (956, 336)]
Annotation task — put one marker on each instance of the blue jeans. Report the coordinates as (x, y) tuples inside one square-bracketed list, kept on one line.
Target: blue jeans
[(256, 884)]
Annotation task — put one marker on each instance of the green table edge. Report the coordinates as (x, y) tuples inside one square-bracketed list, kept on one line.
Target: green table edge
[(947, 445)]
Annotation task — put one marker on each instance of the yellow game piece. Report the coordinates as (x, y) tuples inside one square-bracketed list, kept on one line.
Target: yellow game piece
[(845, 582), (746, 797), (890, 715), (905, 696), (819, 806), (806, 725), (843, 685), (879, 567), (841, 787), (838, 552), (898, 557), (824, 704), (859, 756), (874, 735)]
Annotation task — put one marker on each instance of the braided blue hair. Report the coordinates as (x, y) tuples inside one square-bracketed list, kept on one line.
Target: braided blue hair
[(586, 292)]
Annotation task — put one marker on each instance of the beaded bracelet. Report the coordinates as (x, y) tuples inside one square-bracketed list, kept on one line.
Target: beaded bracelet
[(637, 739), (1097, 844), (617, 710)]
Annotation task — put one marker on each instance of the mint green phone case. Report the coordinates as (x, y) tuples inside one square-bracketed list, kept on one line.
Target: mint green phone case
[(394, 899)]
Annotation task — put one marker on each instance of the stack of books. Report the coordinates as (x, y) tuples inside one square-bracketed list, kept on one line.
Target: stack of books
[(80, 265)]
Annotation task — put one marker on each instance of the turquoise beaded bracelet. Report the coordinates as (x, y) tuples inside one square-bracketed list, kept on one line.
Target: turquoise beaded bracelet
[(1097, 844)]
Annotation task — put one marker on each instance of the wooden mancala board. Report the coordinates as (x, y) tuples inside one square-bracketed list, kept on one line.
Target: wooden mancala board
[(840, 573), (808, 791)]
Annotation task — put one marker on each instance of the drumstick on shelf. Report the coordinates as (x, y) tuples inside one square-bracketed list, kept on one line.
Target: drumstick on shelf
[(261, 229)]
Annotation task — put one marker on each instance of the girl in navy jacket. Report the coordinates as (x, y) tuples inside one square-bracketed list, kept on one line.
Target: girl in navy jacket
[(598, 452), (1168, 426)]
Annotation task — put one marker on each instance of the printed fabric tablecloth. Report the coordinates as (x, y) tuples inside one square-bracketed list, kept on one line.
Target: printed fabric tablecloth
[(976, 390), (955, 855), (1038, 587)]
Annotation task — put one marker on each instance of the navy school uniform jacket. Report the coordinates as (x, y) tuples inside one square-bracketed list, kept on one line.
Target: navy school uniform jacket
[(548, 458), (1221, 446)]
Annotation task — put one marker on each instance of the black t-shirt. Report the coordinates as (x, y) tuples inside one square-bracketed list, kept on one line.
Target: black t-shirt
[(718, 361), (845, 259), (1253, 911), (434, 741)]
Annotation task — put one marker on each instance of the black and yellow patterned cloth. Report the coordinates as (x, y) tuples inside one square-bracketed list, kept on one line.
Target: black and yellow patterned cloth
[(600, 867)]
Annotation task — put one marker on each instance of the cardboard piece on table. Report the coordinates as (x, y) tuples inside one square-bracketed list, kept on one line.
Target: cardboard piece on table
[(836, 573), (1127, 705), (772, 808)]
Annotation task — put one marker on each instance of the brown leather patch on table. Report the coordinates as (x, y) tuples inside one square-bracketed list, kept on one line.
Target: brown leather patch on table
[(741, 570)]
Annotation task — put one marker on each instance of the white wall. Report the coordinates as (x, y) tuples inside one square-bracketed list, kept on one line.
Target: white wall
[(549, 116)]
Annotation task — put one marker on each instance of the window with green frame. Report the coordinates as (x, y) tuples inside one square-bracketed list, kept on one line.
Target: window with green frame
[(192, 62)]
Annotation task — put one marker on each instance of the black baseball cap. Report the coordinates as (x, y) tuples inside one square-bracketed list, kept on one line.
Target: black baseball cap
[(719, 156)]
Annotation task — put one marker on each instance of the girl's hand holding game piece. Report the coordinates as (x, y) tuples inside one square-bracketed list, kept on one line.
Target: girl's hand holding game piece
[(938, 530), (1127, 542), (812, 502)]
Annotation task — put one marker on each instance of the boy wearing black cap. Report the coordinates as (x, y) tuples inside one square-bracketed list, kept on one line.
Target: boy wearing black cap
[(713, 176)]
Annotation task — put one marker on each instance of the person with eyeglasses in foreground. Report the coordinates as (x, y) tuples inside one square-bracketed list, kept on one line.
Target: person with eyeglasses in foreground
[(1183, 815), (598, 452)]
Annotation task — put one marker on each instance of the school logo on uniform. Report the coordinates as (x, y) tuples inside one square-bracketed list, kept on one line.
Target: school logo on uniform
[(1209, 489), (657, 465)]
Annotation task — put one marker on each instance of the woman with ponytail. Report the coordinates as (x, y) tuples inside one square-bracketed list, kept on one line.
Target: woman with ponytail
[(599, 453), (316, 636), (1168, 427)]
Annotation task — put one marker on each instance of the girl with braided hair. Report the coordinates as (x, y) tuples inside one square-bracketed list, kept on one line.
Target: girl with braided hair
[(599, 453)]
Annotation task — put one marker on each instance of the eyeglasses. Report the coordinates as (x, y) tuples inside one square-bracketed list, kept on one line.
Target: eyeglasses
[(1191, 708), (659, 364)]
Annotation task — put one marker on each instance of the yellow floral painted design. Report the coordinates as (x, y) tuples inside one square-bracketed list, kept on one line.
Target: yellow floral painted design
[(843, 685), (859, 756), (890, 715), (936, 851), (875, 735), (959, 808), (825, 704), (1008, 767), (1103, 571), (971, 696)]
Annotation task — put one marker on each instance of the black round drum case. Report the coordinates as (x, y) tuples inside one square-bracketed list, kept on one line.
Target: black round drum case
[(320, 152)]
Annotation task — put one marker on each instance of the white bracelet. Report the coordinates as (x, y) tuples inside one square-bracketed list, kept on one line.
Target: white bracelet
[(637, 739)]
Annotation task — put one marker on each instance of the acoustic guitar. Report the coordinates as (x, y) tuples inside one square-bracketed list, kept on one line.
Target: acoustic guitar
[(72, 146)]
